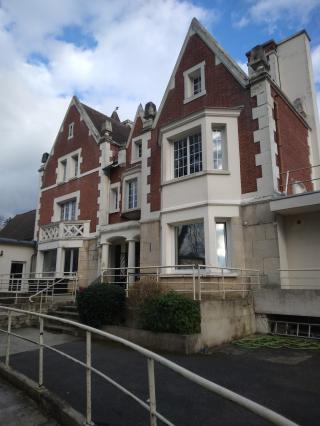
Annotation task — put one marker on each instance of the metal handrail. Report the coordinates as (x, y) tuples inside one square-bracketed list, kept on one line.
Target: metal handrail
[(225, 393)]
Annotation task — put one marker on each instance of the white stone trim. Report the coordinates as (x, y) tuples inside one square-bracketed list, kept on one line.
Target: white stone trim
[(126, 178), (188, 95), (89, 172), (263, 112), (116, 186), (68, 159)]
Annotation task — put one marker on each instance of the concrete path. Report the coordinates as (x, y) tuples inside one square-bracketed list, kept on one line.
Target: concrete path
[(19, 345), (286, 381), (16, 409)]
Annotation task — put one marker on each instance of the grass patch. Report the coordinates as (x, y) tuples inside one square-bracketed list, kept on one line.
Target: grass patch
[(277, 342)]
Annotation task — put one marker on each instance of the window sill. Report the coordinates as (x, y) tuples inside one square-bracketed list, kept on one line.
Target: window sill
[(192, 98), (135, 161), (114, 211)]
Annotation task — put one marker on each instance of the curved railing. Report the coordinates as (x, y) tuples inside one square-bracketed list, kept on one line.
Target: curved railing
[(149, 405)]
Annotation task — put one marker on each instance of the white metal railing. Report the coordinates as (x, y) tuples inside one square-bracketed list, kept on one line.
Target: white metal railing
[(149, 404), (64, 230), (198, 280), (300, 279), (296, 181), (16, 288)]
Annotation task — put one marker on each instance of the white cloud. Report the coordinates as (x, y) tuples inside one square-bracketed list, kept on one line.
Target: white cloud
[(243, 66), (275, 12), (315, 56), (136, 47)]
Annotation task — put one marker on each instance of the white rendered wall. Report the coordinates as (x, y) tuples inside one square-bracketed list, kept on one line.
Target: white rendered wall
[(13, 253)]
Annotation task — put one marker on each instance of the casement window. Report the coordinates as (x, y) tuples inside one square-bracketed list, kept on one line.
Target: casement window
[(137, 154), (68, 210), (194, 82), (71, 256), (70, 130), (132, 193), (221, 244), (64, 173), (190, 248), (114, 199), (75, 165), (219, 148), (187, 155)]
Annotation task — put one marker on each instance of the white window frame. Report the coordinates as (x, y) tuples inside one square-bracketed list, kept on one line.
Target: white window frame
[(59, 200), (188, 222), (69, 160), (71, 207), (188, 76), (227, 236), (224, 147), (187, 138), (136, 143), (63, 166), (71, 130), (114, 188), (75, 161), (125, 192)]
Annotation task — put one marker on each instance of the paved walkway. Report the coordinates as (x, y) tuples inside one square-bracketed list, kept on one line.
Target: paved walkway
[(16, 409), (286, 381)]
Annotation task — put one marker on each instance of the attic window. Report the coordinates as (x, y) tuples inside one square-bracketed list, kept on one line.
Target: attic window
[(194, 82), (70, 130)]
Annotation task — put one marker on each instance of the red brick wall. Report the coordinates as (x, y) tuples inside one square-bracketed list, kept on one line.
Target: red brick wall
[(222, 90), (292, 140), (87, 185)]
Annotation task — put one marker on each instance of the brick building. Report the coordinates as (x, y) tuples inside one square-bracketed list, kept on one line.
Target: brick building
[(205, 179)]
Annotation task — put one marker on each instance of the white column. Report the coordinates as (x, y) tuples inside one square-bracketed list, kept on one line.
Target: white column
[(105, 255), (131, 259), (59, 262), (39, 263)]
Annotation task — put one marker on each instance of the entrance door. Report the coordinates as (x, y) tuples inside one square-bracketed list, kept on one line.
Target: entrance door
[(120, 263), (16, 276)]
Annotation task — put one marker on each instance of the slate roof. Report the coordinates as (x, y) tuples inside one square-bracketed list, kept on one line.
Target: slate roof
[(20, 227), (120, 132)]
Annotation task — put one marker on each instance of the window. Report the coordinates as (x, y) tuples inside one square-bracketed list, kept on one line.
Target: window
[(187, 155), (132, 194), (63, 170), (194, 82), (68, 210), (190, 244), (114, 199), (70, 130), (75, 165), (219, 149), (221, 236), (49, 260), (137, 150), (71, 256)]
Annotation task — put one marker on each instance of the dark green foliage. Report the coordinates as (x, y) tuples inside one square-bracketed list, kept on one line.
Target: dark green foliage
[(170, 313), (101, 304)]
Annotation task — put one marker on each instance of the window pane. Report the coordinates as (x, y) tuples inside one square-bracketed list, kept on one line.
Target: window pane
[(76, 165), (195, 149), (132, 194), (180, 158), (190, 244), (73, 210), (221, 236), (218, 141), (196, 85)]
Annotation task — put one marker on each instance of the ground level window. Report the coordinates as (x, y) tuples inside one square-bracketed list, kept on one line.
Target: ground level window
[(190, 244), (71, 256), (49, 261), (221, 236)]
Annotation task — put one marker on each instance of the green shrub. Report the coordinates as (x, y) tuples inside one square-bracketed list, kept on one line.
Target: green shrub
[(101, 304), (170, 313)]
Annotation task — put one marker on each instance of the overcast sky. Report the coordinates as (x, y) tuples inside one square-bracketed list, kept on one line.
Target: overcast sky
[(109, 53)]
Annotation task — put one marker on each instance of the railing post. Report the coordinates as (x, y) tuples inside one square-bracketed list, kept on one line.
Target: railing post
[(88, 379), (223, 286), (199, 282), (194, 282), (41, 327), (152, 393), (8, 338), (127, 283), (242, 282)]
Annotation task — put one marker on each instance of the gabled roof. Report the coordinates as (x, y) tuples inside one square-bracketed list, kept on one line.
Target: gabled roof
[(20, 227), (119, 132), (225, 59)]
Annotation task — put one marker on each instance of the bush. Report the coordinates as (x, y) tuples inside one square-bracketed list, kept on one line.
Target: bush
[(147, 287), (101, 304), (170, 313)]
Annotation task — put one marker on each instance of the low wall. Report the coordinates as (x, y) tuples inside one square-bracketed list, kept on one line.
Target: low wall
[(287, 302), (221, 322)]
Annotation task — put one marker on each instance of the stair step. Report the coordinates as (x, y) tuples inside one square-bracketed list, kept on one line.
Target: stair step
[(68, 308), (62, 328), (63, 313)]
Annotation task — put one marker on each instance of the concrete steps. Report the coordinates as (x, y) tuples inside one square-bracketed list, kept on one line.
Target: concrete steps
[(67, 311)]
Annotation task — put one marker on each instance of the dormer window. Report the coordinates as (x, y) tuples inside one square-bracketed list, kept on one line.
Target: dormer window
[(136, 154), (70, 130), (194, 82)]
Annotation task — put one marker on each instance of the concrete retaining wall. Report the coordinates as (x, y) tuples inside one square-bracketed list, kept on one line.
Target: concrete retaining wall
[(287, 302)]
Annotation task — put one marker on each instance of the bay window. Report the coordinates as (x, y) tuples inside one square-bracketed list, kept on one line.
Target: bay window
[(187, 155)]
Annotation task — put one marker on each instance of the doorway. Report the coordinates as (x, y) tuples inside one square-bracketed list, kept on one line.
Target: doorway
[(16, 272)]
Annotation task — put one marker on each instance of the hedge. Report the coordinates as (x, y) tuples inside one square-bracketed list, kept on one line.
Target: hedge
[(170, 313)]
